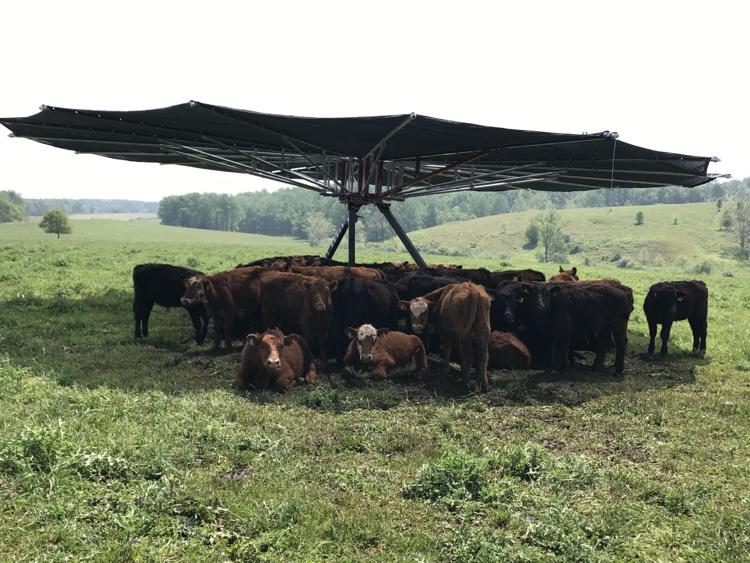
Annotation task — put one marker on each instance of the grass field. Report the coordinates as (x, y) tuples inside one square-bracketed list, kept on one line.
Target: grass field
[(113, 449)]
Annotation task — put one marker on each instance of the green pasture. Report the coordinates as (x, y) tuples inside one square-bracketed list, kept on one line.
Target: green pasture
[(113, 449)]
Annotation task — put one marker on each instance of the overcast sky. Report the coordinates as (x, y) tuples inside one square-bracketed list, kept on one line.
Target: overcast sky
[(666, 75)]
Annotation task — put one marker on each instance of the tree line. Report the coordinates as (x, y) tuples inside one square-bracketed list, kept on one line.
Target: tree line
[(297, 213), (11, 207), (75, 206)]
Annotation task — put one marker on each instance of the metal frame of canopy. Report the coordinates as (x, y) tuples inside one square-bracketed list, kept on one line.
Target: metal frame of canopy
[(372, 178)]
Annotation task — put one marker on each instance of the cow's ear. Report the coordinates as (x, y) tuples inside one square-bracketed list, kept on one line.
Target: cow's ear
[(332, 285), (561, 269), (574, 271), (290, 339), (404, 305), (209, 287), (252, 339), (350, 333), (383, 331)]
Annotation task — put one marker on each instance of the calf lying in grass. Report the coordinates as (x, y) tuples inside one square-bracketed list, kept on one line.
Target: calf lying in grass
[(274, 360), (384, 353)]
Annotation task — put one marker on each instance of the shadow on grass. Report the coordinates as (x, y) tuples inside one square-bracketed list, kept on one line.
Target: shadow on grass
[(89, 342)]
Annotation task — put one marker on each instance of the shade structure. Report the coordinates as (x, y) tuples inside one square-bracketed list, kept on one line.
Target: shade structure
[(363, 160)]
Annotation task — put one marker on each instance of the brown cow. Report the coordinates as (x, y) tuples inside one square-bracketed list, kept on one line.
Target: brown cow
[(338, 272), (384, 353), (565, 275), (225, 294), (461, 314), (272, 359), (300, 303), (507, 352)]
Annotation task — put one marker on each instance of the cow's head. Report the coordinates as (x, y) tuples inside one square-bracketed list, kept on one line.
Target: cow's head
[(197, 289), (365, 337), (419, 310), (270, 345), (320, 290), (670, 298), (505, 301)]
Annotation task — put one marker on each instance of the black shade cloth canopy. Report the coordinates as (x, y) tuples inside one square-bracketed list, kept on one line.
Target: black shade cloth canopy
[(362, 159)]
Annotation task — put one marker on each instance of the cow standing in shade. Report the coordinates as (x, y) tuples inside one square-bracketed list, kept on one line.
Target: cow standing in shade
[(225, 295), (667, 302), (461, 314), (297, 303), (164, 285), (384, 353)]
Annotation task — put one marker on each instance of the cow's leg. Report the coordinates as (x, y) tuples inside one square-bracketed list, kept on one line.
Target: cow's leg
[(227, 327), (466, 351), (704, 335), (218, 328), (137, 317), (652, 328), (204, 317), (481, 357), (145, 313), (447, 350), (562, 345), (620, 335), (420, 362), (381, 370), (696, 327), (198, 324), (666, 328), (322, 337), (602, 343)]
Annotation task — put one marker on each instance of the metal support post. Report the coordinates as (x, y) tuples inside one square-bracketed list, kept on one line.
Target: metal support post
[(385, 209), (351, 223)]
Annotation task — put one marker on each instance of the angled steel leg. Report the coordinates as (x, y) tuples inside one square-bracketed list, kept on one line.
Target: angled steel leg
[(352, 223), (385, 209), (337, 240)]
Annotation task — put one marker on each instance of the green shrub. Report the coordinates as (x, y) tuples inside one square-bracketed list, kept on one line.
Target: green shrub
[(701, 268)]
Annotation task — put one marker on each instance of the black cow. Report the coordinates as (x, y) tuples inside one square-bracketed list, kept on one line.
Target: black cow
[(558, 316), (416, 284), (164, 285), (528, 275), (479, 276), (358, 301), (667, 302), (302, 260)]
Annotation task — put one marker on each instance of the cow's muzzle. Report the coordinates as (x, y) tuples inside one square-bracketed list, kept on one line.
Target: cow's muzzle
[(185, 301), (273, 365)]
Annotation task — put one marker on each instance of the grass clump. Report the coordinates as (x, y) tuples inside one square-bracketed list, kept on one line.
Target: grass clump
[(454, 474), (36, 449), (524, 461)]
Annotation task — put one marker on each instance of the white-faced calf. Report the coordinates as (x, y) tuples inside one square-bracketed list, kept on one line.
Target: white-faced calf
[(384, 353)]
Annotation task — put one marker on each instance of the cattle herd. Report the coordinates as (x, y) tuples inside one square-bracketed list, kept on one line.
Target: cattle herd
[(295, 312)]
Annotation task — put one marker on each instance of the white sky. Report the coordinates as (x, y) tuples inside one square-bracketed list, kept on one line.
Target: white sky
[(666, 75)]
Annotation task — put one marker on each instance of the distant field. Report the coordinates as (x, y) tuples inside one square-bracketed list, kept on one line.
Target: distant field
[(113, 449), (116, 216)]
